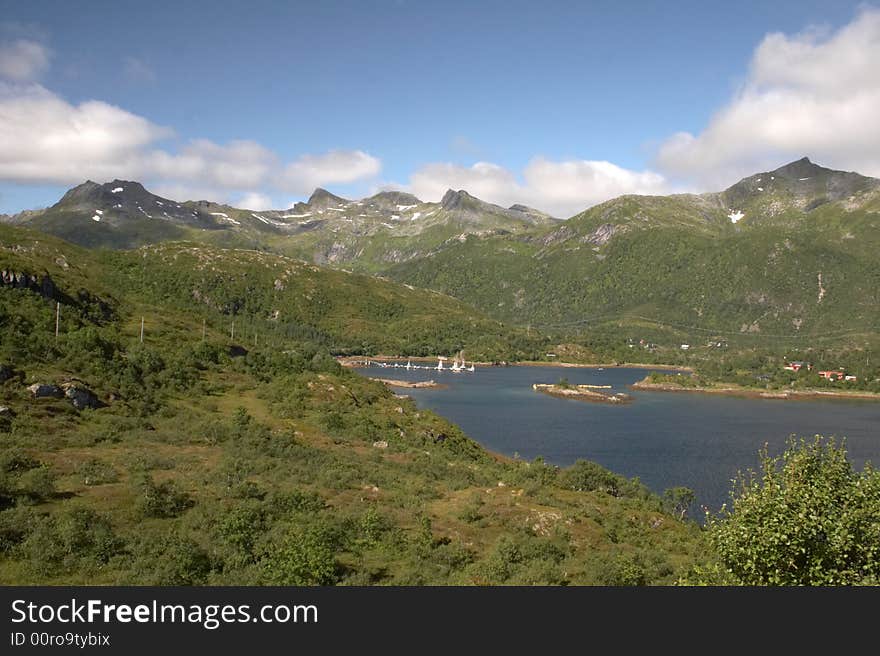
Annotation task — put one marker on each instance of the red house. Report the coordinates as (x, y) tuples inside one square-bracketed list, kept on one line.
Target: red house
[(797, 366), (832, 375)]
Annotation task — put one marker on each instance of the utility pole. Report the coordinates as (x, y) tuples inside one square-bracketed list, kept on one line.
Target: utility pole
[(204, 329), (57, 317), (142, 330), (232, 332)]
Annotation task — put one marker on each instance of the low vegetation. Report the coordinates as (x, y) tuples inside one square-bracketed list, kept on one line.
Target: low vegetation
[(208, 459), (807, 518)]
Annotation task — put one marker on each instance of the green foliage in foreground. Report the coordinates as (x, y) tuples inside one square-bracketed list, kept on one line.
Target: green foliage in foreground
[(807, 519)]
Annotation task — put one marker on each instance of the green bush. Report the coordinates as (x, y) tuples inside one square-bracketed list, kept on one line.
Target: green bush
[(97, 472), (305, 558), (171, 559), (78, 538), (586, 476), (37, 485), (165, 499), (15, 525), (807, 519), (241, 528)]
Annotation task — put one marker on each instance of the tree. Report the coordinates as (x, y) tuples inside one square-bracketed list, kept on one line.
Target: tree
[(808, 519), (678, 500)]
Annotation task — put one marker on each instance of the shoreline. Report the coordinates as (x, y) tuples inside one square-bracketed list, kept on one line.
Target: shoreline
[(407, 384), (779, 395), (355, 361), (612, 365)]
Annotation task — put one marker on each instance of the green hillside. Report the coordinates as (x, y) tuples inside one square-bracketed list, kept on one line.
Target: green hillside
[(186, 459), (791, 266), (269, 297)]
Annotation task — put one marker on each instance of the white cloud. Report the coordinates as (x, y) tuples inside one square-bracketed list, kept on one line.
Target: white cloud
[(575, 185), (485, 180), (236, 165), (46, 139), (254, 201), (815, 94), (561, 188), (334, 167), (23, 59)]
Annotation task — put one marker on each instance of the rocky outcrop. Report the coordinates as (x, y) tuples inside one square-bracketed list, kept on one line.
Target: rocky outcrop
[(602, 235), (41, 284), (81, 397), (45, 391)]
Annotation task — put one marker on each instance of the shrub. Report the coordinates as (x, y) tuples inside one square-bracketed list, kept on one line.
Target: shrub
[(306, 558), (78, 538), (241, 527), (37, 485), (161, 500), (97, 472), (586, 476), (172, 559), (808, 519)]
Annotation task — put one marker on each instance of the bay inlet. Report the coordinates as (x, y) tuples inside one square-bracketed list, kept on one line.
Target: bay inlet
[(697, 440)]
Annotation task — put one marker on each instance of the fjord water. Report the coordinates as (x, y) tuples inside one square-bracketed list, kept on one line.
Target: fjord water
[(665, 438)]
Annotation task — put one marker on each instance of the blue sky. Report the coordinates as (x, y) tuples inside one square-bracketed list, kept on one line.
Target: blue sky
[(405, 94)]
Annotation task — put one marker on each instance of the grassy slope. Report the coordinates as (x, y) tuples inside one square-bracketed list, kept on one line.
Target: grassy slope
[(269, 468), (270, 296)]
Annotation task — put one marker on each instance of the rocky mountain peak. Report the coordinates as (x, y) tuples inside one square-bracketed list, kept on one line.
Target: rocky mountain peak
[(801, 168), (323, 198), (455, 199)]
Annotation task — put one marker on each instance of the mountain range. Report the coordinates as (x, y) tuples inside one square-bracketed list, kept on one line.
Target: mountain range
[(327, 229), (789, 252)]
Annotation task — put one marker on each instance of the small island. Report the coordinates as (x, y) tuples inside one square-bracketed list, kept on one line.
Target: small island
[(421, 384), (592, 393)]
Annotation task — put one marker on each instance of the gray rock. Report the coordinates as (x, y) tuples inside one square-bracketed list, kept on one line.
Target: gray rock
[(81, 397), (45, 390)]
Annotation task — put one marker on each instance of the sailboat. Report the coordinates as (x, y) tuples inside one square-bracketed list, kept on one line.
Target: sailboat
[(408, 365), (471, 368), (440, 363)]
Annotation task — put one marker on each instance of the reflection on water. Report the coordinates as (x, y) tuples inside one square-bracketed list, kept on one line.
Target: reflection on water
[(666, 439)]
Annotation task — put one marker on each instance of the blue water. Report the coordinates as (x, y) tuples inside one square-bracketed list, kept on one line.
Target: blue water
[(665, 438)]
